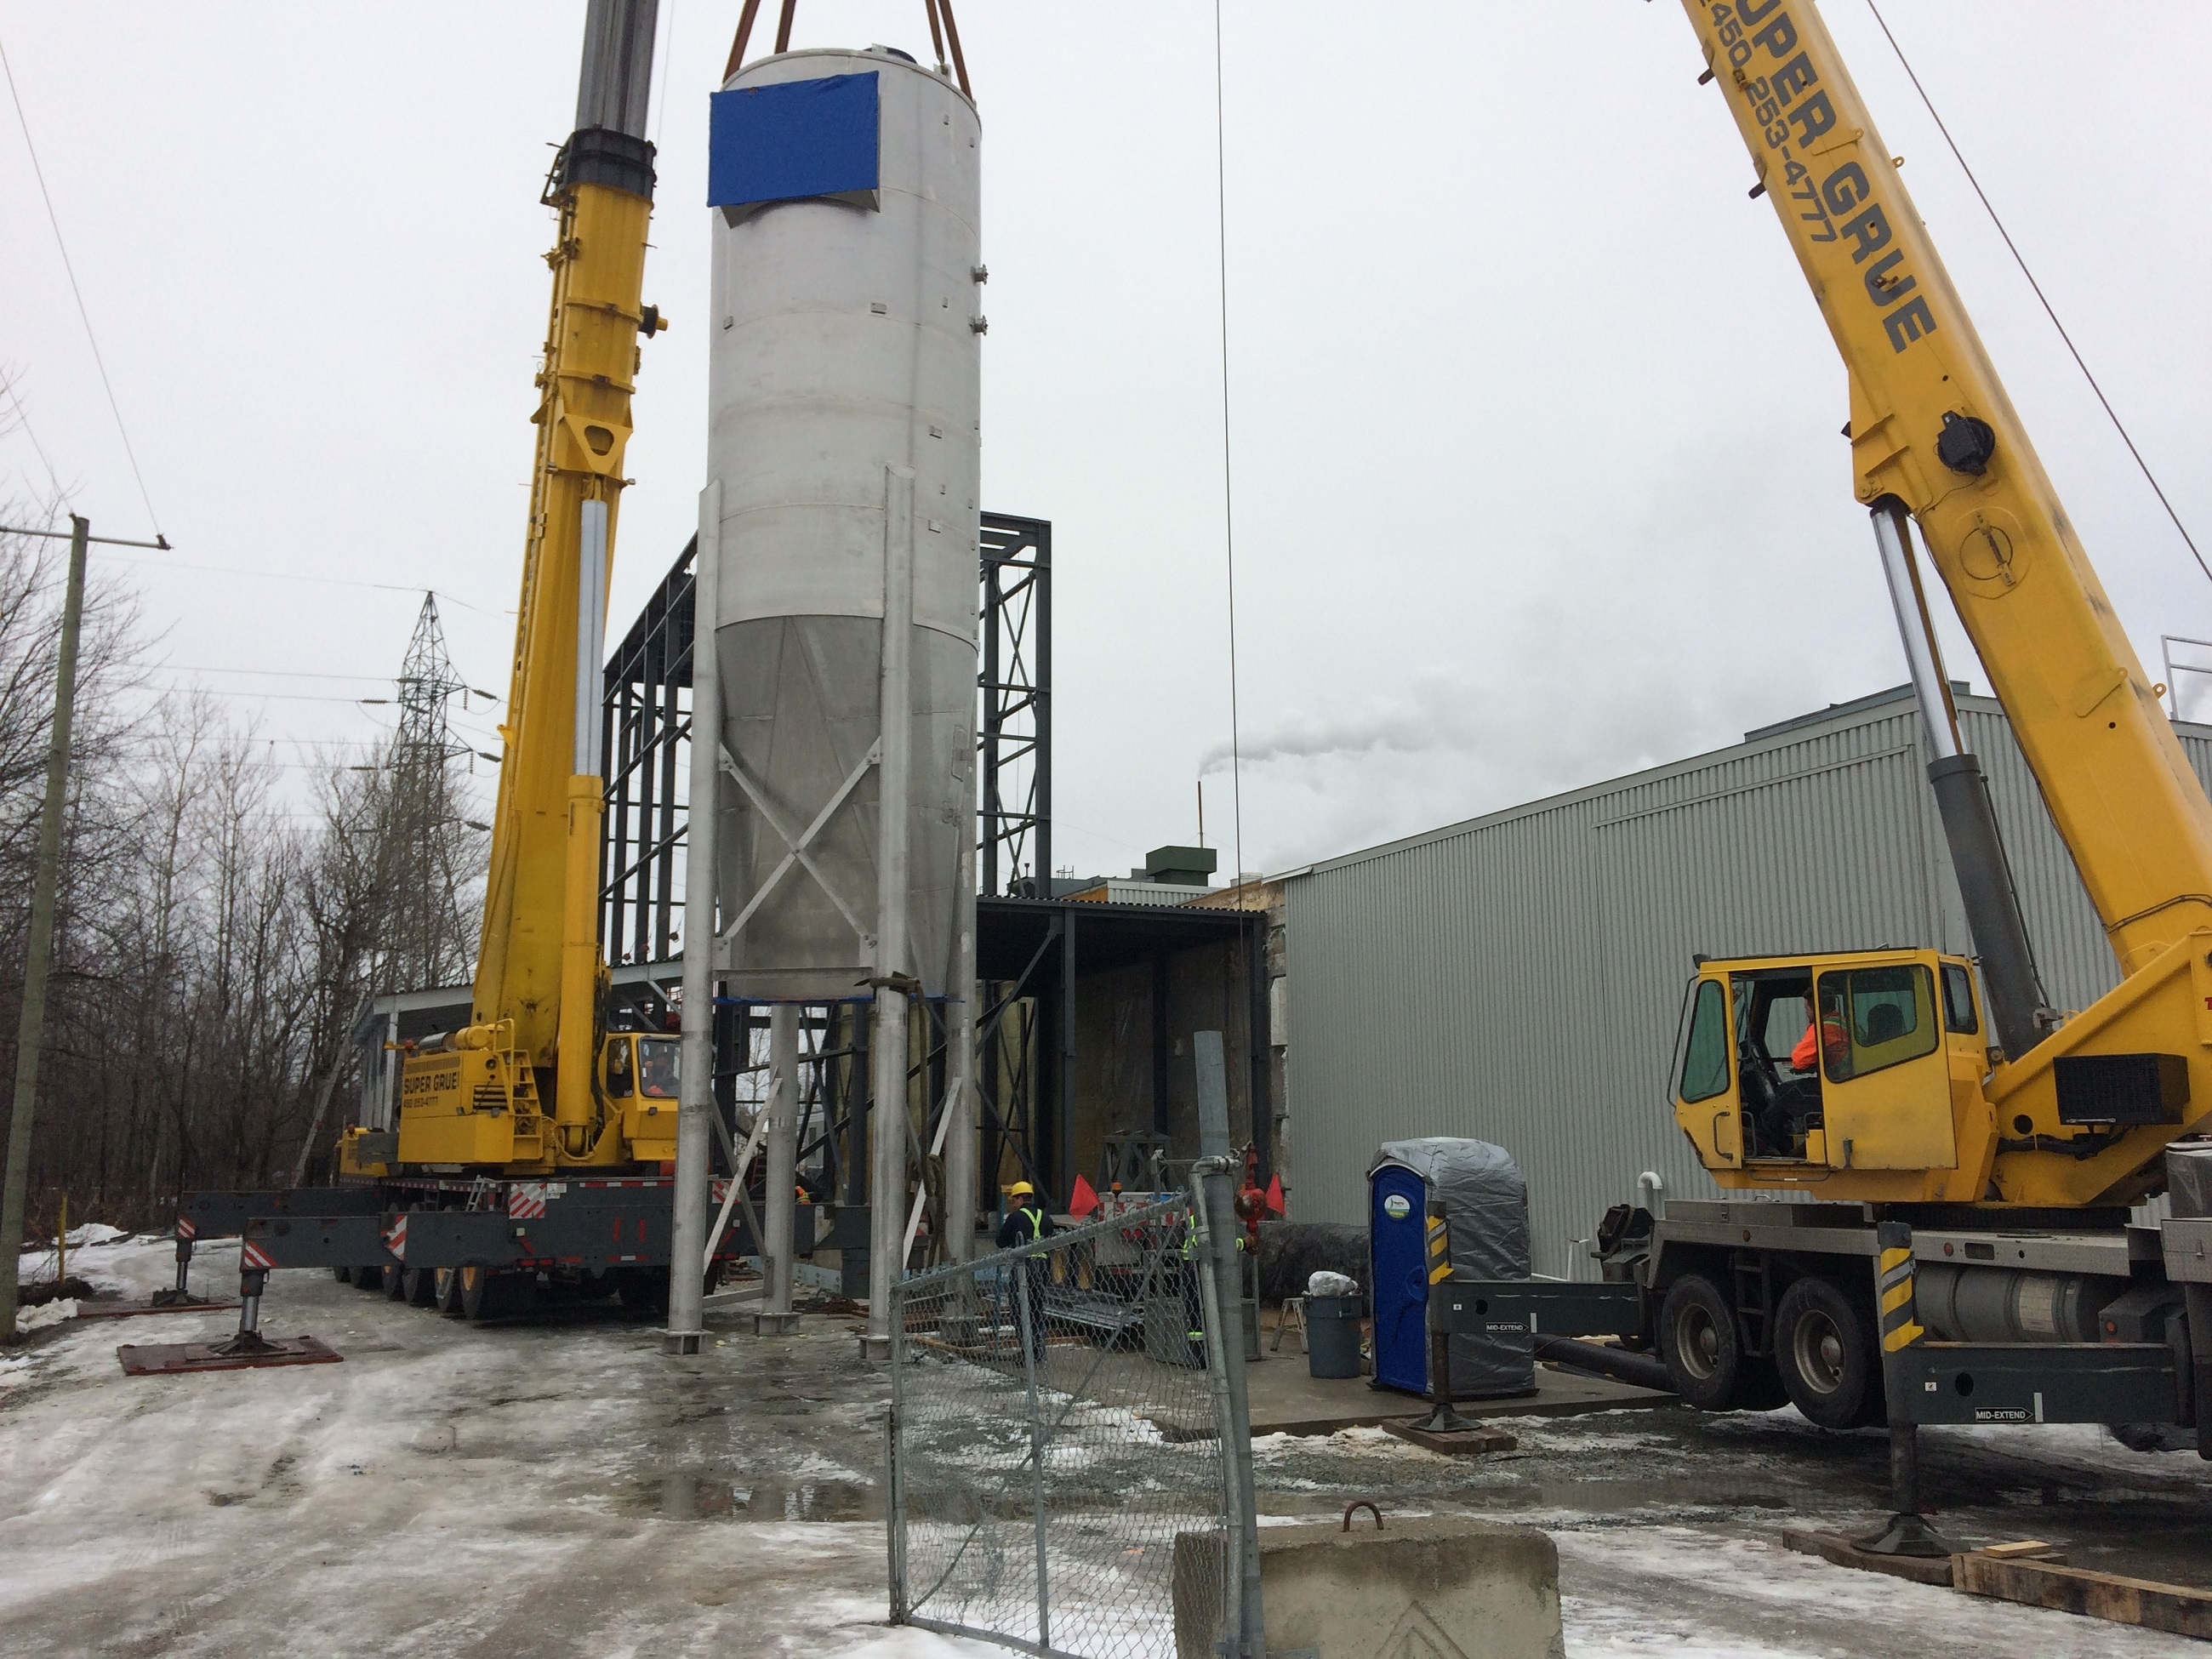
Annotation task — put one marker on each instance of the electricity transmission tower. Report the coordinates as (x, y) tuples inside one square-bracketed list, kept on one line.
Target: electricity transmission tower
[(428, 850)]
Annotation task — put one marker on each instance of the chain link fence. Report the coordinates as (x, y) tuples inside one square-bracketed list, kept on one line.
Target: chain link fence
[(1053, 1428)]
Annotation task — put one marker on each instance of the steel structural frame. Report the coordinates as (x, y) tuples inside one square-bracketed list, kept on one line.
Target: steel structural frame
[(645, 712), (646, 719), (1013, 739)]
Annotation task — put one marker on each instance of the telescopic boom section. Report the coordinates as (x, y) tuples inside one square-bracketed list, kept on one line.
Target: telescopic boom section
[(1931, 426), (540, 964)]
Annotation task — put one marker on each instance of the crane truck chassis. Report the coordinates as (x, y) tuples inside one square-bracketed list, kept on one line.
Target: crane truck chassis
[(475, 1247), (2075, 1317)]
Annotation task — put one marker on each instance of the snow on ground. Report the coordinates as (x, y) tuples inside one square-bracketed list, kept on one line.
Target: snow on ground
[(447, 1489), (555, 1486)]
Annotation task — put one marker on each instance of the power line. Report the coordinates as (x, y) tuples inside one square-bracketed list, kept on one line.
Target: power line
[(282, 696), (83, 315), (272, 673), (300, 576), (2017, 258), (1228, 490)]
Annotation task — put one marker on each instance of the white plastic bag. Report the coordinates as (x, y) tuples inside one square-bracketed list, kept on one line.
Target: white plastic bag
[(1329, 1283)]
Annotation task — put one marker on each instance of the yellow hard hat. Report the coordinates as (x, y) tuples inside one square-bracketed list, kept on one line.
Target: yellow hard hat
[(1021, 1190)]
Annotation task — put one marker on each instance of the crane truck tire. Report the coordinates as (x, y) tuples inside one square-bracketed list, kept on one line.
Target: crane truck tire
[(422, 1288), (1826, 1349), (1703, 1353), (445, 1295), (395, 1283)]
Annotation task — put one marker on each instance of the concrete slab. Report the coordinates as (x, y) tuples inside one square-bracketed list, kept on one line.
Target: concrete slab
[(1287, 1400)]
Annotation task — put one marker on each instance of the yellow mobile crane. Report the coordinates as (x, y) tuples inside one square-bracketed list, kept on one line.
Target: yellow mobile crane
[(1907, 1106), (1965, 1253), (524, 1087)]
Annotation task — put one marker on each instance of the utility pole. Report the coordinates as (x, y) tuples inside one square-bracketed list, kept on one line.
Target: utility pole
[(39, 950)]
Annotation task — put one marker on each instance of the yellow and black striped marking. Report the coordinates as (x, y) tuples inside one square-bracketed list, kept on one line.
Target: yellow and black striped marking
[(1900, 1328), (1439, 1249)]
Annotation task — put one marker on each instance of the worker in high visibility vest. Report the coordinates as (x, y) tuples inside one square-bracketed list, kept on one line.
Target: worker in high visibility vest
[(1193, 1320), (1026, 1222)]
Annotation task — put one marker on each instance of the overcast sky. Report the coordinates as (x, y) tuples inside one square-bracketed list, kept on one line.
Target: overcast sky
[(1537, 470)]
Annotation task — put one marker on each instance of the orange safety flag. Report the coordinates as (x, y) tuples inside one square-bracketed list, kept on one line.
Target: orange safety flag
[(1275, 1194), (1083, 1200)]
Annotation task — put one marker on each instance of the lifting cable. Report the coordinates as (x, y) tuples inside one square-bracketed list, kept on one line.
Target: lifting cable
[(2018, 260), (1228, 492)]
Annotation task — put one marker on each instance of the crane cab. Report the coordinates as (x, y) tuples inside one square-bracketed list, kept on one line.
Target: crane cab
[(640, 1077), (1795, 1070)]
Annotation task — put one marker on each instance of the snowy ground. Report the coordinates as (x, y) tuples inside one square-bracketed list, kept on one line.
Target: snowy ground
[(559, 1487)]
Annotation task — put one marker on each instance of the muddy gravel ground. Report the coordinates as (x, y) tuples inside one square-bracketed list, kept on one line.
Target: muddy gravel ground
[(553, 1484)]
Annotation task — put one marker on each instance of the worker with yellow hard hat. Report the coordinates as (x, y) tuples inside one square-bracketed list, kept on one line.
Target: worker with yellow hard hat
[(1026, 1222)]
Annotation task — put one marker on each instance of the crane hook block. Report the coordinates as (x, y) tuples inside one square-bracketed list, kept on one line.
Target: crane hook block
[(1967, 444)]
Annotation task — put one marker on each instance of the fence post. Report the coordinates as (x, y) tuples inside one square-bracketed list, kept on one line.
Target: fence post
[(1212, 1190), (894, 1466), (1025, 1323)]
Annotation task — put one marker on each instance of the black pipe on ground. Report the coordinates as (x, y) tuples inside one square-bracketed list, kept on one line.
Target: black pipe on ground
[(1638, 1368)]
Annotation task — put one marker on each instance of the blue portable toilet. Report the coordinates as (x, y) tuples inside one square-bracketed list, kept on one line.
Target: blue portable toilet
[(1485, 1202)]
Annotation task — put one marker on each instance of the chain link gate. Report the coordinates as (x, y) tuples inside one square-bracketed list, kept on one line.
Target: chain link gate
[(1053, 1428)]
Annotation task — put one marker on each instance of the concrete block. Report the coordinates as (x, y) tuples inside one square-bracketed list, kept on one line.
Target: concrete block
[(1444, 1588)]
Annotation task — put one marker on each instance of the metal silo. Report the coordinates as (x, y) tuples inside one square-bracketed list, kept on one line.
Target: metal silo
[(844, 391), (838, 537)]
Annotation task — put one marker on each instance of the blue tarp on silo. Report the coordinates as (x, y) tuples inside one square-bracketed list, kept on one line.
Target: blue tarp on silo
[(789, 140)]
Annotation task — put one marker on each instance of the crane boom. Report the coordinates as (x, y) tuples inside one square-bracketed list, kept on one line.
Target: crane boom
[(546, 835), (1931, 426), (2078, 1111)]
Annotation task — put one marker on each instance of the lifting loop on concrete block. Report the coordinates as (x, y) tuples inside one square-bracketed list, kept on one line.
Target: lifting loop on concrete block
[(1359, 1503)]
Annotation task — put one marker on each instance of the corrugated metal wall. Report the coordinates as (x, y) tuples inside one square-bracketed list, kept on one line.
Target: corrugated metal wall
[(1518, 977)]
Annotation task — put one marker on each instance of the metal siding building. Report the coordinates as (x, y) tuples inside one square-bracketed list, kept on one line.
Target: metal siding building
[(1518, 977)]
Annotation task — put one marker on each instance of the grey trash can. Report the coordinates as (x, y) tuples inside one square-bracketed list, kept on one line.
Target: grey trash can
[(1332, 1334)]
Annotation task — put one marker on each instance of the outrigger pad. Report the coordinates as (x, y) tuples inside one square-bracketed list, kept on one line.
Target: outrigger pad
[(166, 1358), (124, 1310)]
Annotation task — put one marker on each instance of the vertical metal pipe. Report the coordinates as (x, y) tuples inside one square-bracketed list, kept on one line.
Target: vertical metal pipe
[(994, 704), (887, 1185), (1041, 701), (1026, 1315), (1160, 1011), (695, 1102), (779, 1247), (962, 1142), (38, 951), (1062, 1172), (1225, 1337), (856, 1020)]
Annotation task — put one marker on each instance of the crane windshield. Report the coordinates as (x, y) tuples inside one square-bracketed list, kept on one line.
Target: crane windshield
[(659, 1066)]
